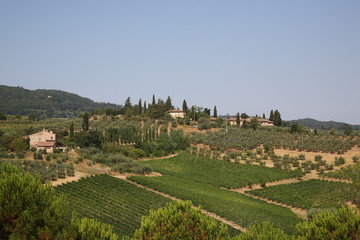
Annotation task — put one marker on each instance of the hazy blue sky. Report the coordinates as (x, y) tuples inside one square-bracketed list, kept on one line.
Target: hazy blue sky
[(300, 57)]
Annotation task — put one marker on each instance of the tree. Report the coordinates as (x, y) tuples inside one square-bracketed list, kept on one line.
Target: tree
[(144, 109), (85, 123), (277, 118), (168, 105), (215, 112), (254, 123), (343, 224), (271, 117), (19, 145), (71, 130), (238, 119), (29, 209), (32, 117), (264, 231), (184, 106), (179, 220), (89, 229), (2, 116), (263, 116), (128, 103), (244, 116), (140, 107), (153, 100)]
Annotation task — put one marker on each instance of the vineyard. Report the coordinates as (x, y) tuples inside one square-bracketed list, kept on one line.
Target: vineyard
[(112, 201), (308, 194), (236, 207), (247, 139), (218, 173), (348, 172)]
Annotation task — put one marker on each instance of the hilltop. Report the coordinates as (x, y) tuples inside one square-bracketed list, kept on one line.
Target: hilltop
[(46, 103), (312, 123)]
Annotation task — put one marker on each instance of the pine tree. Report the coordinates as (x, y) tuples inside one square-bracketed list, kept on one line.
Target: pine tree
[(215, 112), (184, 106)]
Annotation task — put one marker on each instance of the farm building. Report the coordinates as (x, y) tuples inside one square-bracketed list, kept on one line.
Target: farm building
[(177, 113), (43, 140)]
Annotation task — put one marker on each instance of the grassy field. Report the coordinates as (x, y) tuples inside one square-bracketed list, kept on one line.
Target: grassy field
[(308, 194), (236, 207), (111, 200), (218, 173)]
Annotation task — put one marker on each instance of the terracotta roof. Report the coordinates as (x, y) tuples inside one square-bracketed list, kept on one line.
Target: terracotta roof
[(176, 111), (46, 144)]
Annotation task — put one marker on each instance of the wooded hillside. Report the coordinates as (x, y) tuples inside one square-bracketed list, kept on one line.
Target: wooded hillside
[(45, 103)]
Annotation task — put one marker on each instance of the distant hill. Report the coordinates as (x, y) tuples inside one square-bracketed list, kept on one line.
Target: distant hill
[(312, 123), (46, 103)]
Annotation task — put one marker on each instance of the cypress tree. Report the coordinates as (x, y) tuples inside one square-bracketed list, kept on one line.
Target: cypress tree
[(271, 117), (184, 106), (215, 112), (168, 104), (153, 100), (264, 116), (71, 130), (144, 110), (277, 118), (140, 107), (238, 119), (85, 123)]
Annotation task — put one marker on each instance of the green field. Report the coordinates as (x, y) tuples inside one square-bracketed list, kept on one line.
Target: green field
[(111, 200), (233, 206), (308, 194), (218, 173)]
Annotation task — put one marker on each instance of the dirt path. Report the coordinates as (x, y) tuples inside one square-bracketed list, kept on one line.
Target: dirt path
[(148, 159), (211, 214), (77, 176)]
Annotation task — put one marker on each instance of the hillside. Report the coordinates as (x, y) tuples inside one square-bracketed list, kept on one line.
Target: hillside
[(45, 103), (312, 123)]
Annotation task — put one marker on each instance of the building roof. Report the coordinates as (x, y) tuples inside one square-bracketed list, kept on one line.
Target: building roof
[(46, 144), (176, 111)]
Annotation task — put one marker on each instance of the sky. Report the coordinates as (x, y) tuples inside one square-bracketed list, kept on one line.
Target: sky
[(300, 57)]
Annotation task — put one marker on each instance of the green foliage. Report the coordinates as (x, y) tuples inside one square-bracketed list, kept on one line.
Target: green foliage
[(17, 100), (89, 229), (29, 209), (308, 194), (179, 220), (232, 206), (264, 231), (112, 201), (344, 224), (2, 117)]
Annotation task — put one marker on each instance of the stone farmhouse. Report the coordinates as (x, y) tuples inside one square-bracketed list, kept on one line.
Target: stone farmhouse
[(177, 113), (44, 140), (262, 121)]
